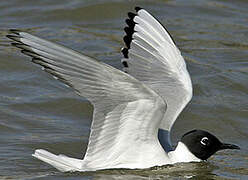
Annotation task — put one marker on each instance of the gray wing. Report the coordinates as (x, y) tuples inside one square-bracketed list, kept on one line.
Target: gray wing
[(152, 57), (126, 112)]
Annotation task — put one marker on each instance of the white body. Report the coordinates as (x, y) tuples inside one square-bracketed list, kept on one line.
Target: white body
[(129, 108), (152, 157)]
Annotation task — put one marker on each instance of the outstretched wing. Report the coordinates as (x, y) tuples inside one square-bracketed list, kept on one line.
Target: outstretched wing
[(152, 57), (126, 112)]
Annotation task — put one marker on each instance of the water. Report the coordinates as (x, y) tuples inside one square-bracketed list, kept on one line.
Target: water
[(36, 111)]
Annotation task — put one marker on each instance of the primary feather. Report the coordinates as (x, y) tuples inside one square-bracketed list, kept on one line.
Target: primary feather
[(152, 57), (126, 112)]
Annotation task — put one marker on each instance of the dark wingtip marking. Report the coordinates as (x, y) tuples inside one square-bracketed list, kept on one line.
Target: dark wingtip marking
[(130, 23), (29, 53), (129, 33), (16, 37), (60, 78), (137, 8), (50, 70), (13, 37), (127, 39), (125, 52), (39, 62), (17, 45), (125, 63), (10, 36), (15, 31), (25, 52), (131, 15)]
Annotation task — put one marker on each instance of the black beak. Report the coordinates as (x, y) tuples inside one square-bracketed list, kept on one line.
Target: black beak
[(228, 146)]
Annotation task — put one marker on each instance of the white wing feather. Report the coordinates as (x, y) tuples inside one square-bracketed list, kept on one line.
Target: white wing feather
[(154, 59), (126, 115)]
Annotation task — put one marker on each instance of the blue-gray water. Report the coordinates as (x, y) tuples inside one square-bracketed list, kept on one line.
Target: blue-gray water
[(36, 111)]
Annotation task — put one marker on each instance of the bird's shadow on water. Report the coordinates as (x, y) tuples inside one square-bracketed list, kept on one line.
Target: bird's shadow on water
[(203, 170)]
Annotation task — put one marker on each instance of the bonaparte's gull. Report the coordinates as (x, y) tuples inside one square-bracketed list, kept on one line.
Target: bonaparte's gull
[(134, 109)]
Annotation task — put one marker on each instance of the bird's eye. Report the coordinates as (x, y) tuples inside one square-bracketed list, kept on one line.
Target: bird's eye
[(204, 141)]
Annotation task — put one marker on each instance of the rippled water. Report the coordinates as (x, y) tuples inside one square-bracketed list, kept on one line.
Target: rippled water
[(37, 111)]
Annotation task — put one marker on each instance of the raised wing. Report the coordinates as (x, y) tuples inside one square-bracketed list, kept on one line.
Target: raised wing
[(126, 112), (152, 57)]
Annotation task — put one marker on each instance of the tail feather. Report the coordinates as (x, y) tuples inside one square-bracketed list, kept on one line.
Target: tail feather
[(60, 162)]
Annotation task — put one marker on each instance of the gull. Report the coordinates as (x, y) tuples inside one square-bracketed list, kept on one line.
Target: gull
[(134, 109)]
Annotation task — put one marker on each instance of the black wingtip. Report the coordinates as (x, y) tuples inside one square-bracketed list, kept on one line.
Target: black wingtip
[(15, 31), (127, 39), (137, 8), (129, 31), (131, 15), (130, 23), (125, 63), (129, 34), (125, 52), (29, 53), (16, 45), (13, 37)]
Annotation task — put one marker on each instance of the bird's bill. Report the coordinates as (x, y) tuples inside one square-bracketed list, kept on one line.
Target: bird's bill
[(228, 146)]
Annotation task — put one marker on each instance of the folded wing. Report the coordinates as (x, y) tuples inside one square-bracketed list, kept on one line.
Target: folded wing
[(126, 115), (152, 57)]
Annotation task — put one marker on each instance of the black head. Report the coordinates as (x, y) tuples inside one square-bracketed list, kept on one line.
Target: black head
[(203, 144)]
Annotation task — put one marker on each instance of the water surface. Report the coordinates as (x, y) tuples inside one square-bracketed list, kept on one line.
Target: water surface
[(36, 111)]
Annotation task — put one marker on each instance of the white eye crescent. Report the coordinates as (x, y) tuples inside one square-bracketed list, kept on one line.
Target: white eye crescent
[(204, 141)]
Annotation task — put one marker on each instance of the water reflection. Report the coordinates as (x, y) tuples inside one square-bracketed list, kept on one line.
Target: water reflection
[(181, 170)]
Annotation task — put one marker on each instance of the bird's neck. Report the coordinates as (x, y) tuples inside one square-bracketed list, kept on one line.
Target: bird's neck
[(182, 154)]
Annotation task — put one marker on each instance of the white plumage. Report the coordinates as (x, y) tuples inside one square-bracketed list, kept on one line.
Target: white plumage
[(129, 108)]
